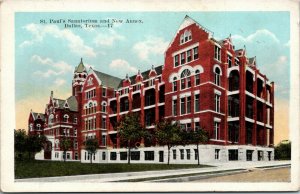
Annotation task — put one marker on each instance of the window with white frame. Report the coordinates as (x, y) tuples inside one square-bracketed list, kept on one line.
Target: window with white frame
[(182, 106), (217, 73), (186, 36), (174, 154), (197, 77), (181, 154), (197, 102), (51, 119), (195, 53), (185, 79), (188, 154), (174, 107), (217, 102), (38, 127), (75, 132), (229, 60), (75, 120), (182, 58), (66, 117), (103, 140), (126, 90), (217, 154), (104, 107), (197, 125), (216, 130), (217, 53), (176, 60), (103, 92), (188, 105), (103, 123), (189, 55), (174, 84), (151, 82)]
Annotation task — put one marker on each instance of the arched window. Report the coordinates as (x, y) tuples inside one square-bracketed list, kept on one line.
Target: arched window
[(66, 117), (217, 76), (38, 126), (51, 119), (185, 79), (174, 84), (197, 77)]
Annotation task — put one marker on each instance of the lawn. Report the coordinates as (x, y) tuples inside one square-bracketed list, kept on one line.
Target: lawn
[(32, 169)]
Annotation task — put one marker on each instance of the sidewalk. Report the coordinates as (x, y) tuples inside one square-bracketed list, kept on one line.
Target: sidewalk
[(112, 177)]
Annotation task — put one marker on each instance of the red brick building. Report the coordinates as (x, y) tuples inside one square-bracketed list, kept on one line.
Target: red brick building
[(203, 83)]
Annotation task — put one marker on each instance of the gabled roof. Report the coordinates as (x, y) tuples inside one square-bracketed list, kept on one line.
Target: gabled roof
[(73, 104), (80, 68), (145, 74), (108, 80), (252, 60), (187, 21), (35, 116)]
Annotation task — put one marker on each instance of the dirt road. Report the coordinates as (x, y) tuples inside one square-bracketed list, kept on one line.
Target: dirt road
[(257, 175)]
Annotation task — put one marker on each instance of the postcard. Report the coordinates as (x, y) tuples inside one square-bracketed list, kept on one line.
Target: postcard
[(140, 96)]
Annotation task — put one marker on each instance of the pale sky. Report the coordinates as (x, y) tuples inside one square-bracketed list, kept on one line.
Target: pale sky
[(46, 54)]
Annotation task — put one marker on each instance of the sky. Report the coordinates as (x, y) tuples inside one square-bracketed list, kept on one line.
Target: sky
[(46, 53)]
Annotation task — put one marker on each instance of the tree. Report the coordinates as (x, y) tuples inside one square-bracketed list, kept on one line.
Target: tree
[(91, 146), (131, 131), (283, 151), (199, 136), (19, 143), (34, 143), (65, 145), (168, 134)]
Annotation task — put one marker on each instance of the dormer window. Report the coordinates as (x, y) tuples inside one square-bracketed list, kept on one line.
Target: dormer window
[(185, 37)]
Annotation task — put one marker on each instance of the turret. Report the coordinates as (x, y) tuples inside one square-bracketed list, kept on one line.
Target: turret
[(80, 74)]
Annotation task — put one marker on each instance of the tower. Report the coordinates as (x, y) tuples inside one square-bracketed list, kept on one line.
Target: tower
[(80, 75)]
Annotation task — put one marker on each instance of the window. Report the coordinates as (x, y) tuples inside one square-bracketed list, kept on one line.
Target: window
[(182, 106), (75, 120), (189, 55), (51, 119), (229, 60), (175, 84), (123, 155), (103, 92), (182, 57), (174, 154), (249, 155), (135, 155), (104, 107), (151, 82), (38, 126), (75, 144), (103, 140), (197, 77), (174, 107), (56, 154), (90, 94), (126, 104), (188, 154), (126, 90), (217, 53), (196, 154), (236, 62), (197, 125), (197, 103), (103, 123), (181, 154), (185, 37), (217, 103), (113, 156), (94, 156), (185, 79), (195, 52), (216, 130), (217, 154), (217, 76), (176, 60), (149, 155), (103, 156), (232, 155), (188, 105)]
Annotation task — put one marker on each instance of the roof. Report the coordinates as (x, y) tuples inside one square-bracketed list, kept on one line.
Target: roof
[(109, 80), (252, 60), (35, 115), (145, 74), (72, 102), (80, 68)]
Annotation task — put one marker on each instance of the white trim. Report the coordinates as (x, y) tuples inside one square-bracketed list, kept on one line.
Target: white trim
[(229, 119), (112, 132), (229, 70), (199, 67), (185, 49), (186, 94), (214, 69), (260, 123), (174, 97), (260, 99), (251, 71), (269, 126), (135, 110), (112, 115), (212, 111), (249, 120), (250, 94), (261, 78), (90, 89), (232, 92), (216, 119), (228, 53), (185, 121), (197, 119), (150, 106), (196, 92), (217, 92), (124, 112)]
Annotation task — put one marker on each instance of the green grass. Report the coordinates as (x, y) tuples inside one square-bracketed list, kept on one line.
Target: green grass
[(33, 169)]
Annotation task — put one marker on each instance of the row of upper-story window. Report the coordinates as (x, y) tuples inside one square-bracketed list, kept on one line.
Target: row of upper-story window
[(185, 37), (185, 79), (90, 123), (230, 62), (63, 132), (66, 117), (186, 57), (91, 108), (186, 104)]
